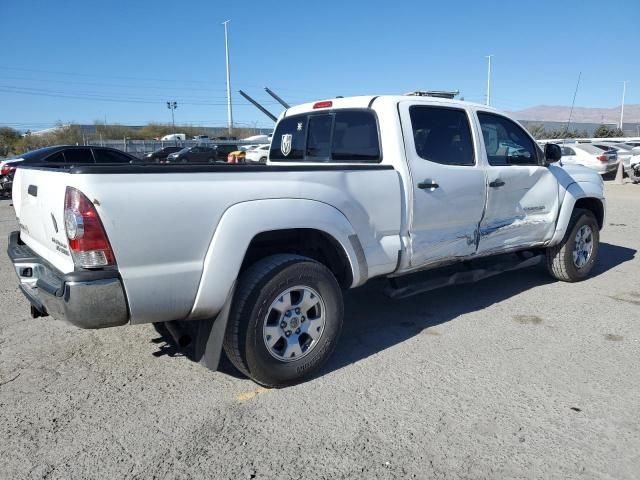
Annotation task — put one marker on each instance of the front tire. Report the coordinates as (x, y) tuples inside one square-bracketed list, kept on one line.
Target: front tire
[(285, 320), (572, 259)]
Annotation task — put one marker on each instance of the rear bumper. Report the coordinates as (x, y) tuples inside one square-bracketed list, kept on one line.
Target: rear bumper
[(86, 299)]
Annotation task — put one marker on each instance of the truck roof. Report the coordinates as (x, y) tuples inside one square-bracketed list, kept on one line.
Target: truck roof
[(365, 101)]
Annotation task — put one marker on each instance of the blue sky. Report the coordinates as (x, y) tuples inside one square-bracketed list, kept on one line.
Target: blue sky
[(121, 60)]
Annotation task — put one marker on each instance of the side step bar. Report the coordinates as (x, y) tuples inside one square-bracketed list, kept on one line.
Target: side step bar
[(394, 290)]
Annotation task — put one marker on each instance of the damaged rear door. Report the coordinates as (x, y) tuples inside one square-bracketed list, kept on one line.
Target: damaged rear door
[(522, 194), (448, 182)]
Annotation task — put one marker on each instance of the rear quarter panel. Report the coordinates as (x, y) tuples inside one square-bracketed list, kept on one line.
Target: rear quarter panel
[(161, 225)]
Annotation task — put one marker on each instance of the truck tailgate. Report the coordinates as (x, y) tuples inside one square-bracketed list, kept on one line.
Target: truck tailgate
[(38, 199)]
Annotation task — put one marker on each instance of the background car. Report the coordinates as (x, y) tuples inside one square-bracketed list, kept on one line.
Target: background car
[(76, 154), (202, 154), (598, 159), (161, 155), (258, 154), (7, 171), (623, 150)]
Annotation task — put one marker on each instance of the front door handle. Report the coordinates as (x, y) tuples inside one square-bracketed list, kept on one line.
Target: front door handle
[(428, 185), (496, 183)]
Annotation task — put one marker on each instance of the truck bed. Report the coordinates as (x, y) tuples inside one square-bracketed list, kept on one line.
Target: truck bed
[(161, 220)]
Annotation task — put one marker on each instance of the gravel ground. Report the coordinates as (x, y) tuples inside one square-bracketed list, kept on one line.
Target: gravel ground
[(516, 376)]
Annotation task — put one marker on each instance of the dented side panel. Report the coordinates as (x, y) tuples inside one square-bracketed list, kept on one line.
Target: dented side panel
[(522, 212)]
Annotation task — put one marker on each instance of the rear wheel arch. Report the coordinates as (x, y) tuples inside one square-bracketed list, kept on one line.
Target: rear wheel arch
[(307, 242)]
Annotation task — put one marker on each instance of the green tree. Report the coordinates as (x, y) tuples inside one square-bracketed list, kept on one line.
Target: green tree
[(603, 131), (537, 130), (8, 140)]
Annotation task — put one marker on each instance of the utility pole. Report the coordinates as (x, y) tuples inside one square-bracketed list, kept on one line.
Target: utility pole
[(172, 106), (226, 49), (624, 91), (488, 57)]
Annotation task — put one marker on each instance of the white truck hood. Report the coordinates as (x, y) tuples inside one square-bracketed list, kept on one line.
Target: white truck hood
[(580, 173)]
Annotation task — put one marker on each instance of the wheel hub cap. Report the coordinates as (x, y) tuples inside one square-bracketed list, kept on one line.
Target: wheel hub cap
[(583, 246), (294, 323)]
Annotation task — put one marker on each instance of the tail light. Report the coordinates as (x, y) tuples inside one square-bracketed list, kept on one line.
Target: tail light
[(87, 239), (603, 158), (6, 170)]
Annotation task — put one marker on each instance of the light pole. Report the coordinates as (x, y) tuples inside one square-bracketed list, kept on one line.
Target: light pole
[(226, 49), (488, 57), (624, 91), (172, 106)]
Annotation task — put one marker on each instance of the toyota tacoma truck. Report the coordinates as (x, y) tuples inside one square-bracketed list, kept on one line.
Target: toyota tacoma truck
[(258, 256)]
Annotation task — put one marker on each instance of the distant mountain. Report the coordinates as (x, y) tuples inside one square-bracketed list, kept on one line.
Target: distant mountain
[(551, 113)]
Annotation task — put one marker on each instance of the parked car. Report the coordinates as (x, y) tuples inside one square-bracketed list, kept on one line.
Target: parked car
[(174, 137), (254, 258), (201, 138), (258, 154), (202, 154), (601, 160), (76, 155), (623, 151), (7, 171), (161, 155)]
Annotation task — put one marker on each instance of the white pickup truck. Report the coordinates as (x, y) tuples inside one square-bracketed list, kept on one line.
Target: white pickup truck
[(257, 256)]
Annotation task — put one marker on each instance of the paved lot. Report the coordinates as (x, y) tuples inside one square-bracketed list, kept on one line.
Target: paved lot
[(514, 377)]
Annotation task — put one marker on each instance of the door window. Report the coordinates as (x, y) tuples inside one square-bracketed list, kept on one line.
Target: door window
[(442, 135), (505, 142), (78, 155), (566, 151), (110, 156)]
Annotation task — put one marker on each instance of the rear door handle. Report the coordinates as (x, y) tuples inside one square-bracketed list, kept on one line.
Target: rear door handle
[(496, 183), (428, 185)]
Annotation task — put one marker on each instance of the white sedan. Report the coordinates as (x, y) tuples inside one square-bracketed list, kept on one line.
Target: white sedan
[(602, 161), (258, 154)]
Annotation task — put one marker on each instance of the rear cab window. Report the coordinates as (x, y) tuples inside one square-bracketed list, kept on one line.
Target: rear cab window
[(349, 136)]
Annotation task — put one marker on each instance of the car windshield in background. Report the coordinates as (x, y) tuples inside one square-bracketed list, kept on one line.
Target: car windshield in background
[(331, 136)]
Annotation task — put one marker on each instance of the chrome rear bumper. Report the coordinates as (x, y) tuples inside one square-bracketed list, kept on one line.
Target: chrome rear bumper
[(86, 299)]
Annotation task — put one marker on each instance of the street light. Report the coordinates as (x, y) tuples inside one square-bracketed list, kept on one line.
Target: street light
[(172, 106), (488, 57)]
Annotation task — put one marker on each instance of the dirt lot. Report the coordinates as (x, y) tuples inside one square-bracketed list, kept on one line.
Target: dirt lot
[(517, 376)]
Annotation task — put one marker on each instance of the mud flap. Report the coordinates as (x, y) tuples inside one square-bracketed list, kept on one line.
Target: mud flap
[(210, 336)]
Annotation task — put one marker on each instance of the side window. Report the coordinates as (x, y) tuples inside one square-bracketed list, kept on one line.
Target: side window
[(289, 139), (566, 151), (78, 155), (355, 137), (110, 156), (55, 158), (506, 143), (442, 135), (319, 137)]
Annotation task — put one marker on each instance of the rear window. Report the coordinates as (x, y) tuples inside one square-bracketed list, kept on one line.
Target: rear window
[(338, 136)]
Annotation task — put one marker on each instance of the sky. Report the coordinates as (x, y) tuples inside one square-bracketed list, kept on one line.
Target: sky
[(121, 61)]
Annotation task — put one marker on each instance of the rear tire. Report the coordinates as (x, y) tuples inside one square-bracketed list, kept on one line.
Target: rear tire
[(285, 320), (572, 259)]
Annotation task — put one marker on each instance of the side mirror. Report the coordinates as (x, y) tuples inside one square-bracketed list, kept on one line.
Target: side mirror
[(552, 152)]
